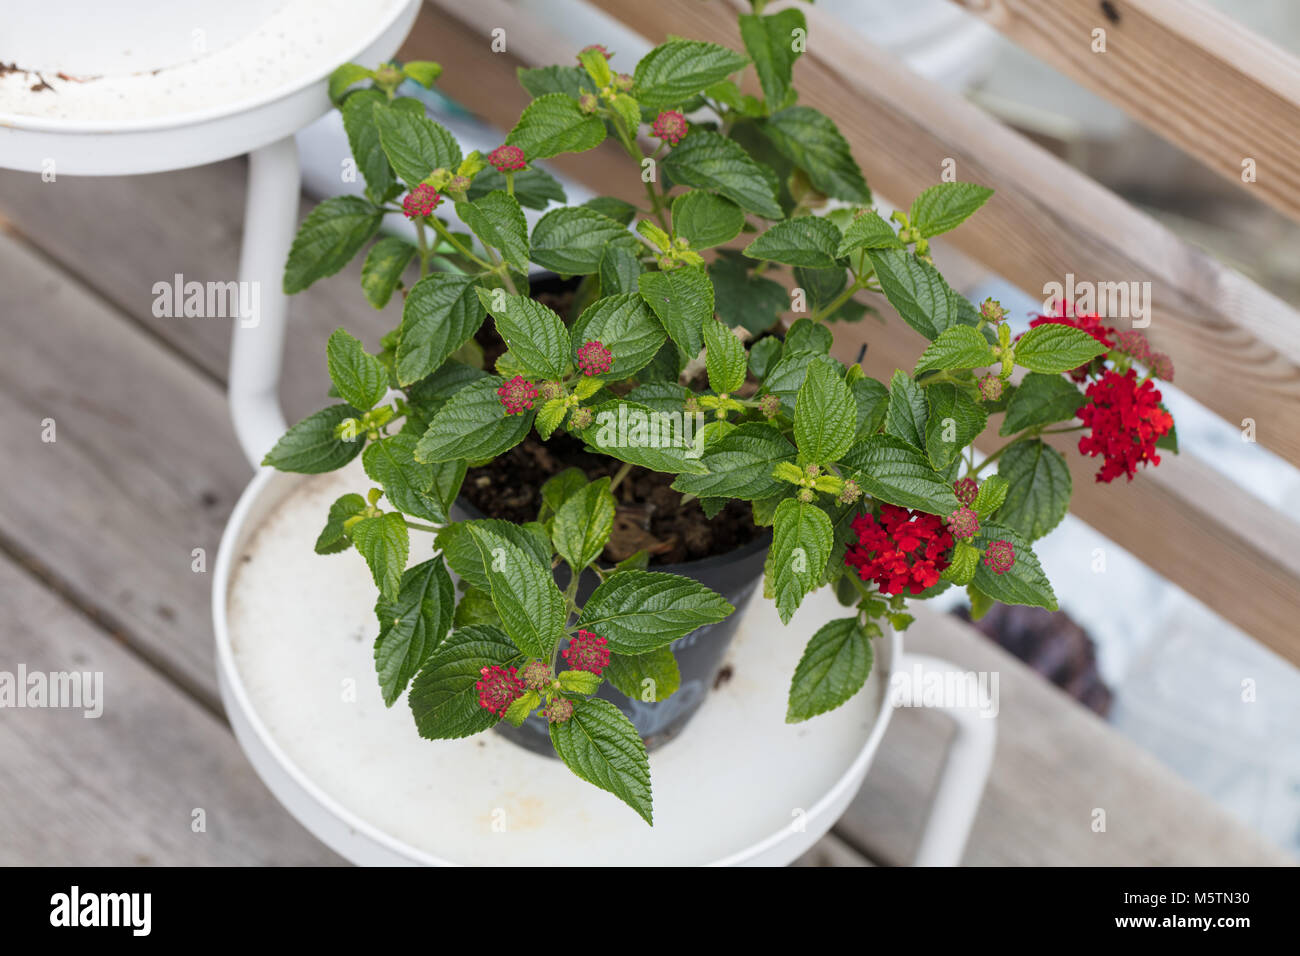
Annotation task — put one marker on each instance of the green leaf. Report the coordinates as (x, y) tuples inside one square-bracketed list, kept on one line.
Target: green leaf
[(443, 698), (954, 420), (570, 240), (640, 435), (499, 222), (992, 493), (521, 707), (705, 220), (802, 539), (786, 377), (579, 682), (805, 241), (569, 80), (812, 142), (674, 71), (345, 76), (918, 292), (535, 335), (535, 188), (557, 489), (1025, 583), (424, 72), (414, 488), (441, 313), (769, 41), (946, 206), (383, 268), (957, 347), (473, 425), (683, 301), (550, 416), (980, 603), (414, 144), (740, 464), (868, 231), (1041, 400), (333, 538), (707, 160), (649, 677), (413, 625), (523, 592), (743, 299), (873, 404), (809, 336), (965, 561), (359, 378), (363, 138), (583, 523), (327, 240), (660, 396), (553, 124), (311, 446), (623, 324), (1039, 488), (638, 611), (724, 358), (894, 471), (600, 745), (825, 416), (619, 269), (1055, 348), (462, 552), (907, 409), (384, 543), (834, 666)]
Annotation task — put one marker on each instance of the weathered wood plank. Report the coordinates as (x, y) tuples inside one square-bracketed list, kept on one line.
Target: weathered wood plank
[(1055, 764), (1184, 70), (123, 788)]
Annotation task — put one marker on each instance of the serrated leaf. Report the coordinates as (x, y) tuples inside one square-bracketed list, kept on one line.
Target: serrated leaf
[(834, 666), (570, 240), (384, 542), (579, 682), (625, 325), (1041, 400), (868, 230), (499, 222), (683, 301), (363, 137), (743, 299), (1055, 348), (619, 269), (462, 552), (724, 358), (674, 71), (809, 336), (521, 707), (908, 410), (443, 698), (825, 416), (583, 523), (649, 677), (333, 538), (414, 144), (813, 142), (770, 43), (946, 206), (872, 399), (535, 188), (359, 378), (570, 80), (805, 241), (992, 492), (894, 471), (311, 448), (965, 560), (802, 539), (1038, 488), (707, 160), (553, 124), (383, 268), (415, 488), (550, 416), (523, 592), (638, 611), (956, 347), (424, 72), (441, 313), (660, 441), (345, 76), (921, 296), (600, 745), (954, 420), (327, 240), (705, 220), (535, 335), (412, 625), (619, 210), (1025, 583), (557, 489), (740, 464), (473, 425)]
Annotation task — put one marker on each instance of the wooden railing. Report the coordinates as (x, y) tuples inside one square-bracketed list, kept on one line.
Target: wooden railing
[(1235, 346)]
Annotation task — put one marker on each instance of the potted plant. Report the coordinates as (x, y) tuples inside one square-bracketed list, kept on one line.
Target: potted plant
[(610, 464)]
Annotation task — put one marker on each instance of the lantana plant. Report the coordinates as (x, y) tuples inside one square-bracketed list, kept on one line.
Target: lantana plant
[(680, 353)]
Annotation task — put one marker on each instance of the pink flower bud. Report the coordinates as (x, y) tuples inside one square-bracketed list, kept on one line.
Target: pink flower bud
[(507, 159)]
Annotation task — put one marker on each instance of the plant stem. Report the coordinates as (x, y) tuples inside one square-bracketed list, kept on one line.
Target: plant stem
[(839, 300), (424, 247), (620, 475), (457, 245), (416, 525)]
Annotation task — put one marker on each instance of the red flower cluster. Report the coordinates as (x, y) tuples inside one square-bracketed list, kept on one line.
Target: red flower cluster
[(1126, 420), (1000, 557), (507, 159), (420, 201), (517, 394), (966, 490), (670, 126), (498, 688), (587, 652), (594, 358), (900, 550)]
